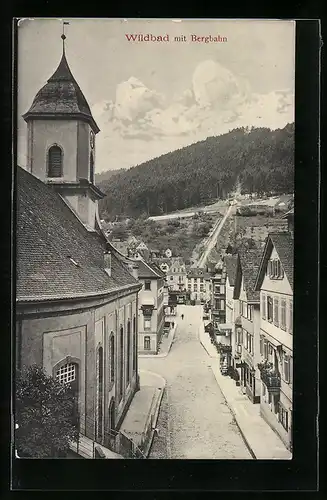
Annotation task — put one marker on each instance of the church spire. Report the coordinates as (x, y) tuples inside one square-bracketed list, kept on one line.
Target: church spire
[(61, 96), (63, 36)]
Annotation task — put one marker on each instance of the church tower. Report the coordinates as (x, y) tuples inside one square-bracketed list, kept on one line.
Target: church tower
[(61, 142)]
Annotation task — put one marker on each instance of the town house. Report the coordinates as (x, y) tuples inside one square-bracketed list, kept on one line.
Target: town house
[(249, 334), (218, 296), (232, 309), (176, 275), (76, 296), (151, 312), (275, 285), (198, 285)]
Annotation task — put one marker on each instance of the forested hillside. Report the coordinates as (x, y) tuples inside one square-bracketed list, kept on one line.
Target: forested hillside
[(105, 176), (261, 159)]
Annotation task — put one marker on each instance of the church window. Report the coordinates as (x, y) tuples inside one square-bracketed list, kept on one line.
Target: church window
[(99, 373), (55, 162), (128, 351), (67, 373), (92, 168)]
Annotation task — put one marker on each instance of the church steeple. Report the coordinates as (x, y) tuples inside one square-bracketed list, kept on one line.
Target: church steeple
[(61, 97), (61, 141)]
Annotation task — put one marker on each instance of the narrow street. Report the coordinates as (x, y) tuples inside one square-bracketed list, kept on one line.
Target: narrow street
[(194, 421)]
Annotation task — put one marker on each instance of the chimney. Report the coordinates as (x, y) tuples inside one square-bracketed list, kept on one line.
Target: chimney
[(107, 262), (133, 268)]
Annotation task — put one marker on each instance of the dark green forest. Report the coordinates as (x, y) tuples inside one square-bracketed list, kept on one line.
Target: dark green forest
[(105, 176), (259, 159)]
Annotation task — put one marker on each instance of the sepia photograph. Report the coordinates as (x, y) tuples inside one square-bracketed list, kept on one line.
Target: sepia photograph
[(154, 239)]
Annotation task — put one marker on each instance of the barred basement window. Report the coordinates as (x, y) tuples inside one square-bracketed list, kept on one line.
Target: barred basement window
[(55, 162), (66, 373)]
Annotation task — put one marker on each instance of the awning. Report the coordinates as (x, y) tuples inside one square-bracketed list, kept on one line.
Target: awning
[(225, 327)]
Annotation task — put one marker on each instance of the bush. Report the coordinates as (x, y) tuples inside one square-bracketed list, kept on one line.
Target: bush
[(46, 413)]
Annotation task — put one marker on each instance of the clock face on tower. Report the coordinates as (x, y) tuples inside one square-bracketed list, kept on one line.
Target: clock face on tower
[(92, 140)]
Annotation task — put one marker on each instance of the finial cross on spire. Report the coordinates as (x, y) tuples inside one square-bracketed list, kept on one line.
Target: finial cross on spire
[(63, 36)]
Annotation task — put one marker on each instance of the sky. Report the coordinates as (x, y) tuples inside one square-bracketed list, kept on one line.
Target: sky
[(150, 98)]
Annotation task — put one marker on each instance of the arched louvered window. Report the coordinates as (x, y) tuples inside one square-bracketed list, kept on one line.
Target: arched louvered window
[(55, 167), (134, 344), (91, 167), (121, 365), (99, 421), (128, 364)]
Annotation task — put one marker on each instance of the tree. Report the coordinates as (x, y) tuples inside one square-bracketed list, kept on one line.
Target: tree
[(46, 413), (119, 232)]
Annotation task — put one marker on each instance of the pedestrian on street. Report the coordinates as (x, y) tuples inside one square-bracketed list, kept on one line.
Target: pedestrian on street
[(182, 316)]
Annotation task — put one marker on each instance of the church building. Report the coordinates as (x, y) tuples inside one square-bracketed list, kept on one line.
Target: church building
[(76, 295)]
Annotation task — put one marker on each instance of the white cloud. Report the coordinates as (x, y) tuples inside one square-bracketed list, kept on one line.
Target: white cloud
[(141, 124)]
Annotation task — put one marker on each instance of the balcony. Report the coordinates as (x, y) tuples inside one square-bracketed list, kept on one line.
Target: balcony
[(270, 377)]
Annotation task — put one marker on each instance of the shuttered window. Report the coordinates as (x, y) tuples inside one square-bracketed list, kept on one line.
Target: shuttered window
[(55, 162), (276, 311), (283, 315)]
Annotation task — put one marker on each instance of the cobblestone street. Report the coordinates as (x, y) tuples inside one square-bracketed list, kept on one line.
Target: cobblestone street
[(194, 420)]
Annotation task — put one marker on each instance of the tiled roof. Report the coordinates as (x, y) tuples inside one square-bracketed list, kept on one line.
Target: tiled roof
[(177, 261), (250, 262), (147, 270), (283, 243), (231, 267), (121, 246), (287, 214), (157, 269), (61, 95), (194, 272), (161, 260), (50, 239)]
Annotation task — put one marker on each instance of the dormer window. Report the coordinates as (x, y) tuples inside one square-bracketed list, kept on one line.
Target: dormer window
[(107, 263), (55, 164)]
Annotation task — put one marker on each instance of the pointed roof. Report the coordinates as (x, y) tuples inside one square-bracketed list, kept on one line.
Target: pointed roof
[(61, 97), (284, 245), (247, 268), (196, 272), (231, 267), (147, 270)]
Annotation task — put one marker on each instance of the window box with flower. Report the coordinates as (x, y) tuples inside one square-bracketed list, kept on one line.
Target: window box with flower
[(269, 376)]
